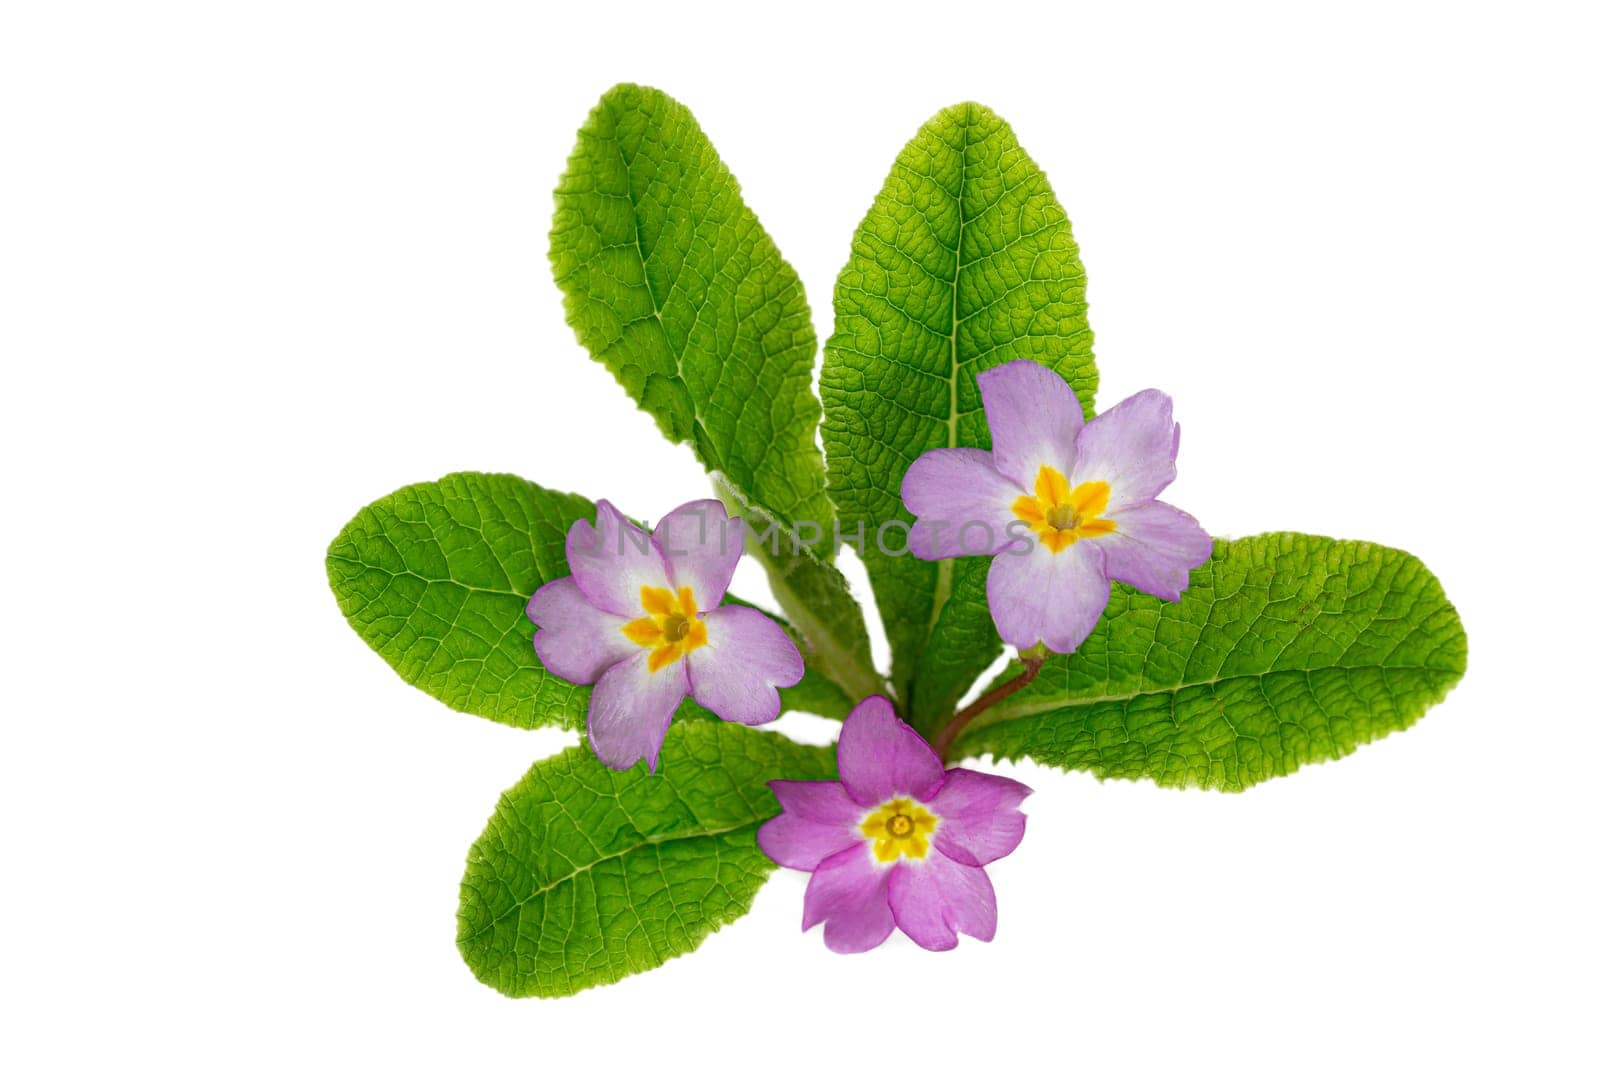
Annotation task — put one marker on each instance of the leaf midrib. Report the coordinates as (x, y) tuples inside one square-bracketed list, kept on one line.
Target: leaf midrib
[(647, 842), (946, 572), (1011, 712), (677, 351), (650, 290), (408, 573)]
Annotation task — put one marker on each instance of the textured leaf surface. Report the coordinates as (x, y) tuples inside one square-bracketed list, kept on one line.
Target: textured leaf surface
[(965, 261), (436, 578), (1287, 649), (672, 283), (584, 876)]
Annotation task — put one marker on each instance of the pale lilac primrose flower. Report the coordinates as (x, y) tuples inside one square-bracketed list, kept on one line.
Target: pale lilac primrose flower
[(897, 841), (639, 619), (1063, 507)]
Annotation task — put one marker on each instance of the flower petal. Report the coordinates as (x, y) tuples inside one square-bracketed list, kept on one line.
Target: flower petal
[(850, 894), (746, 655), (978, 816), (1054, 597), (962, 504), (934, 900), (702, 547), (823, 802), (1134, 447), (575, 640), (612, 560), (1034, 419), (1154, 548), (882, 757), (818, 820), (630, 709)]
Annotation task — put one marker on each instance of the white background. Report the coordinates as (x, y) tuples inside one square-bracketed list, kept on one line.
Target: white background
[(265, 263)]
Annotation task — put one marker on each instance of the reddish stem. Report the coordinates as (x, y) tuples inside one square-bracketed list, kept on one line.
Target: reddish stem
[(1030, 671)]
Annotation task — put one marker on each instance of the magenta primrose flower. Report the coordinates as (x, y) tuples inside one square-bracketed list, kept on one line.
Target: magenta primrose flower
[(1063, 507), (897, 840), (642, 620)]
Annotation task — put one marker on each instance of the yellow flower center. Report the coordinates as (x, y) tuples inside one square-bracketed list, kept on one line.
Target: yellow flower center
[(901, 827), (671, 625), (1060, 513)]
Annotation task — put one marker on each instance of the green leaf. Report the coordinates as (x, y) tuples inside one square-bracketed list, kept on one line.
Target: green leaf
[(585, 876), (672, 283), (436, 578), (965, 261), (1287, 649)]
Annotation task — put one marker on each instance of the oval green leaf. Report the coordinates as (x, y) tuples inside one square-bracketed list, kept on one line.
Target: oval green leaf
[(672, 282), (1287, 649), (436, 579), (964, 261), (585, 876)]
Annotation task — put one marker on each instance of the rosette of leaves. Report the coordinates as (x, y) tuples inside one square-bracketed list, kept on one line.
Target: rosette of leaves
[(1287, 649)]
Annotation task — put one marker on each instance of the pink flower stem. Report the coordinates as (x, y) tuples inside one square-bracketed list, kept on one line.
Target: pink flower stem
[(1030, 671)]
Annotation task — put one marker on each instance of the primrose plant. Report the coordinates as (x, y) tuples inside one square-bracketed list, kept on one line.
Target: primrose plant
[(962, 460)]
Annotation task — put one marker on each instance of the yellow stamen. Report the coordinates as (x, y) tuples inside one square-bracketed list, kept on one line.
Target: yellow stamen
[(900, 828), (1060, 513), (671, 627)]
